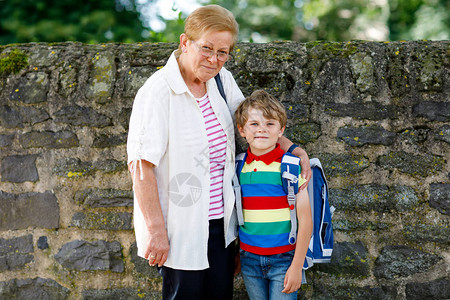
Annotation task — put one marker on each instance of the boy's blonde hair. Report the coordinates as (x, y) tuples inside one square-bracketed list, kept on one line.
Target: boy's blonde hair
[(263, 101), (210, 18)]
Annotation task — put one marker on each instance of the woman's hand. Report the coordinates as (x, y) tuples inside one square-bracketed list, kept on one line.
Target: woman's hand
[(146, 190), (292, 280), (157, 247), (306, 167)]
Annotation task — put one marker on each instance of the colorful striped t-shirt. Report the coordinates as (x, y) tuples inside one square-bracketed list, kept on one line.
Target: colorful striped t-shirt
[(267, 220)]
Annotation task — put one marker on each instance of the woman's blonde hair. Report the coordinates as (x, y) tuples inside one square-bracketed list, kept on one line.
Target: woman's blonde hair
[(211, 18), (263, 101)]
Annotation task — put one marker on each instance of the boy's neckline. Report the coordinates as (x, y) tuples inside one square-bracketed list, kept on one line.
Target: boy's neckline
[(267, 158)]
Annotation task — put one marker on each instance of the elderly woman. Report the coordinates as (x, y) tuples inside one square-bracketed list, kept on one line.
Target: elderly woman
[(181, 156)]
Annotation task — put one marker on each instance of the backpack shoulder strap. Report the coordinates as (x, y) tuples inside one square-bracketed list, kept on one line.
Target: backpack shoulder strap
[(240, 160), (290, 170), (220, 86)]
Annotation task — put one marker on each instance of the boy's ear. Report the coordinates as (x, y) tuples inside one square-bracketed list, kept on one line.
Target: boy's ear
[(241, 130), (282, 131)]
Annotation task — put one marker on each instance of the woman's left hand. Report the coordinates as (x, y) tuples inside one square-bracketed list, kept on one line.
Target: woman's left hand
[(306, 169)]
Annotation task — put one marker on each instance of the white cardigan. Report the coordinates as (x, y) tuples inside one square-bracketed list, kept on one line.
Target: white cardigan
[(168, 130)]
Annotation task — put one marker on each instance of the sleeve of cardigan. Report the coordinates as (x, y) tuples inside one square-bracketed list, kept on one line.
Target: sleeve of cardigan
[(148, 129)]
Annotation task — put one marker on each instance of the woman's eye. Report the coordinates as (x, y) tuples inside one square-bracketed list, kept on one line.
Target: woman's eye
[(222, 52)]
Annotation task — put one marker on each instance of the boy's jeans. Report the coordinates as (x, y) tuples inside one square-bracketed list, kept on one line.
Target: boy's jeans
[(264, 275)]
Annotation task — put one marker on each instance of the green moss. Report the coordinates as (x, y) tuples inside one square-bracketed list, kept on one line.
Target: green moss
[(281, 54), (13, 62), (334, 48)]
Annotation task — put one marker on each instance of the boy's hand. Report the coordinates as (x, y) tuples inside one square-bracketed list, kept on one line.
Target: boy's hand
[(292, 280)]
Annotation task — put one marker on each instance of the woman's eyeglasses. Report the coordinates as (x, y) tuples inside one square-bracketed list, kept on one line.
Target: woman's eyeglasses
[(208, 52)]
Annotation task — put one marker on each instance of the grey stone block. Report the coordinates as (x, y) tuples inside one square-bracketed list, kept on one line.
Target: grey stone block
[(6, 140), (443, 134), (48, 139), (81, 116), (104, 198), (342, 163), (415, 165), (102, 221), (94, 256), (436, 289), (74, 167), (104, 141), (15, 253), (334, 82), (364, 135), (37, 288), (433, 111), (32, 88), (20, 211), (347, 258), (440, 197), (402, 261), (421, 233), (102, 77), (42, 243), (374, 197), (303, 133), (19, 168), (135, 79), (17, 117)]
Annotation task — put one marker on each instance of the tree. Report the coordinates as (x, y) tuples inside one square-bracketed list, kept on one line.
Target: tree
[(97, 21), (419, 19), (340, 20), (90, 21)]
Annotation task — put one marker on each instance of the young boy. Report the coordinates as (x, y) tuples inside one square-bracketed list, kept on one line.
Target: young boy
[(272, 268)]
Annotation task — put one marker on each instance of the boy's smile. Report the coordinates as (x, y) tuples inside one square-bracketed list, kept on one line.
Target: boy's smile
[(261, 134)]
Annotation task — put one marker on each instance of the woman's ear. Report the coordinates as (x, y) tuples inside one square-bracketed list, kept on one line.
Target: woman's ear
[(183, 42)]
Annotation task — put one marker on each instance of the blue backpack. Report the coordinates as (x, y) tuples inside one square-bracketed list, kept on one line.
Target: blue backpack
[(321, 243)]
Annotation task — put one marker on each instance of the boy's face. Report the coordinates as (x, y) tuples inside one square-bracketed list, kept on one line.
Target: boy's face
[(261, 134)]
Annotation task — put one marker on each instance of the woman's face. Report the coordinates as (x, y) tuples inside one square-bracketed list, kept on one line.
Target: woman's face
[(200, 67)]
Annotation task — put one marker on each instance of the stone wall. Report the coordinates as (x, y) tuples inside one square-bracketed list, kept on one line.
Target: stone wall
[(376, 114)]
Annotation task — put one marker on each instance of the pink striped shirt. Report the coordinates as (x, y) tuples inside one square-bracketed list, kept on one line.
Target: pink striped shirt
[(217, 140)]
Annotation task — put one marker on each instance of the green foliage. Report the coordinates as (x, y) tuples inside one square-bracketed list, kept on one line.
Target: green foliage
[(340, 20), (172, 31), (419, 19), (89, 21), (13, 62), (98, 21)]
